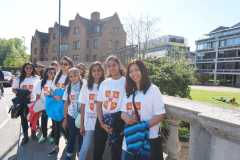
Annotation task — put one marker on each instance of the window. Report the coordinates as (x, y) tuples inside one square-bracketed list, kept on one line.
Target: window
[(97, 28), (95, 43), (87, 43), (54, 48), (76, 45), (75, 57), (54, 36), (116, 45), (87, 58), (64, 48), (35, 51), (76, 30), (110, 44), (94, 57)]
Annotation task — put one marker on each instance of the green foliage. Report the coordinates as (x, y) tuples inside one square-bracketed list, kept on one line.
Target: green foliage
[(173, 77), (183, 134), (12, 53)]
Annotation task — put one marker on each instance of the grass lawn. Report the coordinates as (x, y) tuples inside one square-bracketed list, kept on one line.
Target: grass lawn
[(208, 97)]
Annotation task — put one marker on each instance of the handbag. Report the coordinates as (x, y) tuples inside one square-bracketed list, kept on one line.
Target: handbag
[(137, 136), (39, 105), (78, 121)]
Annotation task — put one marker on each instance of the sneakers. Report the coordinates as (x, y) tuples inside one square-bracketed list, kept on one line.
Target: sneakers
[(50, 140), (42, 139), (24, 140), (54, 152), (34, 137)]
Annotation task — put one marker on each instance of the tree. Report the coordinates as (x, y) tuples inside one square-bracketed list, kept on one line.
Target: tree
[(172, 77), (12, 53), (140, 30)]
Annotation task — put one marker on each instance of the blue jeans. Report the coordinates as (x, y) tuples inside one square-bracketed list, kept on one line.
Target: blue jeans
[(73, 137), (86, 145)]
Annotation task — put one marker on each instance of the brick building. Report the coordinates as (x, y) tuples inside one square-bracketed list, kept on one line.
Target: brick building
[(84, 40)]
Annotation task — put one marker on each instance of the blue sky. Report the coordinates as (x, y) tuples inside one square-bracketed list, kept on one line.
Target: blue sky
[(188, 18)]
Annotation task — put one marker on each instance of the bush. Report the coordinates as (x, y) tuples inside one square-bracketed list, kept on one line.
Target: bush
[(183, 134), (171, 76)]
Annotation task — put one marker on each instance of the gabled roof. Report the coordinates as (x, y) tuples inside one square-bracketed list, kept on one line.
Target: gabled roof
[(64, 29), (236, 25), (219, 29), (42, 36)]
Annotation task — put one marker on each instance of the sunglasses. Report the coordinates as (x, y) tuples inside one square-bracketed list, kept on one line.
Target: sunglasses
[(29, 68), (72, 76), (64, 64), (51, 72)]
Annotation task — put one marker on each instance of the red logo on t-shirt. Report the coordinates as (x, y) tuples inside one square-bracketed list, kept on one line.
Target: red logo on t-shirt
[(91, 101), (28, 87), (112, 98)]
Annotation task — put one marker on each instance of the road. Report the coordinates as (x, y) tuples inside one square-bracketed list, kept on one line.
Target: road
[(10, 135)]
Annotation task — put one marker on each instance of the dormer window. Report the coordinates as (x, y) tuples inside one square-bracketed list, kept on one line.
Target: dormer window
[(54, 36), (76, 30), (97, 28)]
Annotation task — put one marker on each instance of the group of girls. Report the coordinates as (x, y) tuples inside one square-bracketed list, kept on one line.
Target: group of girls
[(108, 101)]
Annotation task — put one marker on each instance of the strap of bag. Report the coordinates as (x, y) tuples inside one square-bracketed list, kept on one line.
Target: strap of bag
[(134, 106)]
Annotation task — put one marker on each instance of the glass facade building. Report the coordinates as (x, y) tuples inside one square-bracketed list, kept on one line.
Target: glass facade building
[(218, 55)]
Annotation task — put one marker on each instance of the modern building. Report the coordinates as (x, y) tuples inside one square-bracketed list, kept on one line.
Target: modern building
[(218, 55), (84, 40), (168, 45)]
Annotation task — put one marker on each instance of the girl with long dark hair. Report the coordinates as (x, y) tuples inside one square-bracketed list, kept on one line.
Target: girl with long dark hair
[(44, 89), (26, 80), (60, 82), (109, 99), (87, 100), (142, 105)]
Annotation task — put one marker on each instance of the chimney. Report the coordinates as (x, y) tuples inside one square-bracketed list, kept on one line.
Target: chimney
[(95, 16)]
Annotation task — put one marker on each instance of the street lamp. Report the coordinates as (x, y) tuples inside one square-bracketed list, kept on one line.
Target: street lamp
[(59, 30)]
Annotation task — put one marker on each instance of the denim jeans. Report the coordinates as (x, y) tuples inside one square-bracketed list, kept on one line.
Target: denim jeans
[(100, 138), (87, 144), (73, 136)]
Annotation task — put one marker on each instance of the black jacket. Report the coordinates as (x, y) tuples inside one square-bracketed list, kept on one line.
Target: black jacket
[(20, 103)]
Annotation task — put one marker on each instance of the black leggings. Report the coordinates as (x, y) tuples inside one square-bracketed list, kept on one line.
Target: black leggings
[(57, 130), (44, 121), (100, 139), (24, 123)]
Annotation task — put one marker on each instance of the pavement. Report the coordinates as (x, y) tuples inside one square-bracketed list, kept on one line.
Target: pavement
[(10, 137), (216, 88)]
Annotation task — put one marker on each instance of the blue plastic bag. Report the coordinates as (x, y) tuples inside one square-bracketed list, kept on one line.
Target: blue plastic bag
[(55, 108)]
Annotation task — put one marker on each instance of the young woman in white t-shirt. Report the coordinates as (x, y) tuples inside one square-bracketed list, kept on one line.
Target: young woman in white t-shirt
[(149, 106), (87, 100), (27, 80), (60, 82), (44, 89), (109, 99), (71, 111)]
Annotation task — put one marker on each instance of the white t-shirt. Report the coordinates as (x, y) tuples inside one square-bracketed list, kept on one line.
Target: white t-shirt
[(148, 105), (28, 83), (46, 90), (88, 97), (74, 107), (111, 93), (60, 83)]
